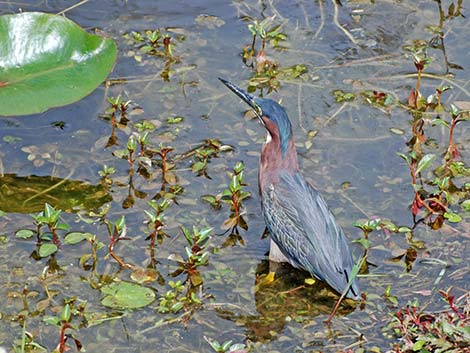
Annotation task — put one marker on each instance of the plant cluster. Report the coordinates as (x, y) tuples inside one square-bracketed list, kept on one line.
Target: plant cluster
[(197, 255), (175, 299), (226, 347), (445, 331), (155, 43), (267, 73), (49, 241), (234, 195), (434, 197)]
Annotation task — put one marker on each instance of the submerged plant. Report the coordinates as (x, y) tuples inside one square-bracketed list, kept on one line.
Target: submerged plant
[(156, 220), (267, 72), (176, 299), (49, 240), (197, 254), (225, 347), (445, 331), (166, 165), (234, 196), (64, 322), (117, 231)]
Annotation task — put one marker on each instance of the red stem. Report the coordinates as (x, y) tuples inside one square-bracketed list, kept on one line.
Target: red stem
[(63, 327)]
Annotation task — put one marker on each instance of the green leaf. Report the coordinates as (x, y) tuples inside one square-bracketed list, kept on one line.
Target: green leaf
[(198, 166), (363, 241), (25, 233), (418, 345), (226, 345), (237, 347), (187, 235), (425, 162), (209, 198), (440, 122), (176, 307), (49, 211), (48, 61), (175, 120), (405, 157), (51, 320), (66, 313), (76, 237), (121, 223), (465, 205), (47, 249), (62, 226), (452, 217), (126, 295)]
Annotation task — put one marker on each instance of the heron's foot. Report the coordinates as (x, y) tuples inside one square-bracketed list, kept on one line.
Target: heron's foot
[(269, 278)]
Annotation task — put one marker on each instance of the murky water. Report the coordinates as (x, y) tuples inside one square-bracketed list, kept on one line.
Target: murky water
[(351, 158)]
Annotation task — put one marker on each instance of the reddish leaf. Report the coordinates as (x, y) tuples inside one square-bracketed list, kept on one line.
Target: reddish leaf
[(412, 99)]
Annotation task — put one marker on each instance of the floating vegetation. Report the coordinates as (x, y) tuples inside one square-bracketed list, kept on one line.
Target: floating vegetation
[(422, 331), (110, 208)]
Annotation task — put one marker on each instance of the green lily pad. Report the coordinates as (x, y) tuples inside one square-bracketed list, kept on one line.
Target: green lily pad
[(126, 295), (48, 61)]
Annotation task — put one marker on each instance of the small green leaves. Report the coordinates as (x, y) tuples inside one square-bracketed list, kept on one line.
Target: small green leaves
[(24, 233), (196, 254), (452, 217), (175, 120), (405, 157), (76, 237), (418, 345), (66, 314), (425, 162), (365, 243), (226, 347), (465, 205), (341, 96), (47, 249)]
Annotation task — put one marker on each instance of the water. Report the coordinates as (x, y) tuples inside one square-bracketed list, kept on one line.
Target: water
[(352, 159)]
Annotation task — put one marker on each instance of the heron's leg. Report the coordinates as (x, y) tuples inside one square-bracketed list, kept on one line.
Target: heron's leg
[(275, 254)]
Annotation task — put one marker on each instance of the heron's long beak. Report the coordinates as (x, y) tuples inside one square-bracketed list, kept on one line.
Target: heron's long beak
[(248, 98)]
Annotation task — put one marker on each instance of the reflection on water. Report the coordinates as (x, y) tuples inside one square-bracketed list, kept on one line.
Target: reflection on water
[(28, 194), (283, 299), (350, 142)]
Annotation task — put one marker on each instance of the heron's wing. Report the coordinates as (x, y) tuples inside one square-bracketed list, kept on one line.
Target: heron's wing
[(304, 228)]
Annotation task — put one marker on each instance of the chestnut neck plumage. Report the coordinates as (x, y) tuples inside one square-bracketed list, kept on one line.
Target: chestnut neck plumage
[(274, 160)]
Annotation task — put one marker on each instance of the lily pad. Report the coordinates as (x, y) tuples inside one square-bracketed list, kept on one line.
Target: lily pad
[(125, 295), (48, 61)]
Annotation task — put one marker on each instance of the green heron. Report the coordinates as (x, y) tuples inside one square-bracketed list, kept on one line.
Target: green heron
[(303, 230)]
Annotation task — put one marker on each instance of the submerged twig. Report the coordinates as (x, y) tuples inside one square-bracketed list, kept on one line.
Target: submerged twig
[(80, 3), (322, 19), (337, 24)]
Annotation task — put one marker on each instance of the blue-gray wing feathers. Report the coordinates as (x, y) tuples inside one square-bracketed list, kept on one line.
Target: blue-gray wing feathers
[(305, 230)]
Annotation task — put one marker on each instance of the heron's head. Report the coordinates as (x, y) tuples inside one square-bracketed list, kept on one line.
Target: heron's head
[(270, 113)]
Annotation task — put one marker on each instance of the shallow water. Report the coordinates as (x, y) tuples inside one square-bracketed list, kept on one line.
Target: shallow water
[(352, 159)]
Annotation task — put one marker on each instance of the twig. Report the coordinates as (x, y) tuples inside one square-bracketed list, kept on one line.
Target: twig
[(49, 188), (80, 3), (322, 19), (336, 22)]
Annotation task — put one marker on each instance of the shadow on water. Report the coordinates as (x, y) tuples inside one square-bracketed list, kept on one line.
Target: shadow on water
[(342, 66), (284, 298)]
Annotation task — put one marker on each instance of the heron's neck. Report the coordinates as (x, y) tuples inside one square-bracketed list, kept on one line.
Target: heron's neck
[(273, 161)]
